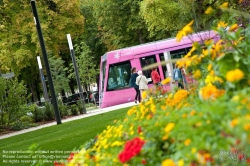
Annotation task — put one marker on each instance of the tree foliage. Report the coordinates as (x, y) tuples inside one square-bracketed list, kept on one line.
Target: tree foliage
[(58, 72), (18, 35), (172, 15), (163, 15), (91, 35), (119, 23), (87, 69)]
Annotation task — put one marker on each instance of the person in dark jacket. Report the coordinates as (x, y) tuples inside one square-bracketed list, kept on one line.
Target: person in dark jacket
[(133, 84)]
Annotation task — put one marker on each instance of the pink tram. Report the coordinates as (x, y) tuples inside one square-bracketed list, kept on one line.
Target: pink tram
[(115, 66)]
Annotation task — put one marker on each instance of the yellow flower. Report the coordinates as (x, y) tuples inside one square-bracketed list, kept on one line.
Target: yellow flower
[(185, 31), (170, 95), (247, 126), (169, 127), (187, 142), (221, 24), (166, 81), (198, 124), (117, 143), (218, 46), (209, 67), (235, 98), (218, 79), (211, 92), (224, 5), (153, 108), (193, 150), (192, 112), (184, 115), (208, 42), (234, 75), (234, 122), (209, 79), (204, 52), (163, 107), (188, 63), (197, 74), (247, 116), (233, 27), (209, 10), (165, 137), (144, 95), (180, 163), (211, 72), (130, 111), (190, 23), (179, 36), (168, 162)]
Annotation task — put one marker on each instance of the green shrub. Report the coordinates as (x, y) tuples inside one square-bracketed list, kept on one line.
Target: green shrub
[(26, 119), (20, 125), (49, 111), (39, 114), (12, 98), (74, 109), (64, 110)]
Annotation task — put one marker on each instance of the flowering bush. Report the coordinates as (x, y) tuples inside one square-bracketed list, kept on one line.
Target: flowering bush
[(206, 125)]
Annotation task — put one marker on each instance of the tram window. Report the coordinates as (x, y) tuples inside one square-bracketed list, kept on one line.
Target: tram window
[(119, 75), (145, 61), (179, 53)]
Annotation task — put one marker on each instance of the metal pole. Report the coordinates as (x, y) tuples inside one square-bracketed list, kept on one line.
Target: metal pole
[(45, 93), (76, 72), (46, 62)]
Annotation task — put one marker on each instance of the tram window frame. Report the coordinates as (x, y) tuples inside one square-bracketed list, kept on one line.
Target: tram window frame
[(120, 76)]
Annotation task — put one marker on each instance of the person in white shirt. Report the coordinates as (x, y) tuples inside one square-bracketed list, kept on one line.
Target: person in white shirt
[(142, 81)]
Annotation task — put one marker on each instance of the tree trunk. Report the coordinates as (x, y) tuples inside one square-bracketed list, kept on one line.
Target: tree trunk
[(141, 38), (32, 91), (71, 86)]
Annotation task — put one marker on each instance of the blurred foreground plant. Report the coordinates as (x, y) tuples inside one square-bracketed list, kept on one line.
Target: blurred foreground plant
[(209, 125)]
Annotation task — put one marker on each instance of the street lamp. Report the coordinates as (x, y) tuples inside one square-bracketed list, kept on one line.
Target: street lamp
[(46, 61), (76, 71), (45, 93)]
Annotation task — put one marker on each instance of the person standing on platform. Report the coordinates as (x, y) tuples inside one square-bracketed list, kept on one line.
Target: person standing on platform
[(177, 76)]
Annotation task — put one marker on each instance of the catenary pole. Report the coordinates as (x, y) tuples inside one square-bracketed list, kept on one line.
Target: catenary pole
[(46, 62), (76, 71)]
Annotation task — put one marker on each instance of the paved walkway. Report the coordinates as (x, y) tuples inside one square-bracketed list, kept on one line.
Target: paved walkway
[(89, 113)]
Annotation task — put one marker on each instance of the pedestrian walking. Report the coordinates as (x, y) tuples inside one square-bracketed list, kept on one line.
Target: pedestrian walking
[(142, 81), (132, 83)]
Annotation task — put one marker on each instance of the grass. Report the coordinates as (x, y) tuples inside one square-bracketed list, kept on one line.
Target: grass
[(56, 141)]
